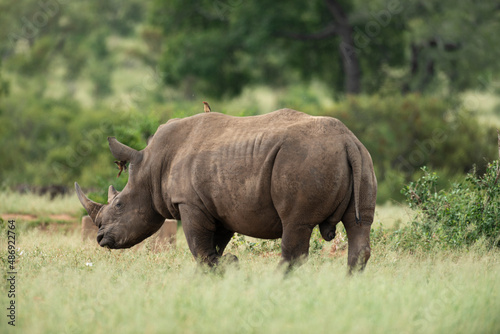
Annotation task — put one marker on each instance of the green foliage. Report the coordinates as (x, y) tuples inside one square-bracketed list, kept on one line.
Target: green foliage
[(456, 217), (219, 47), (41, 38), (450, 44), (58, 142)]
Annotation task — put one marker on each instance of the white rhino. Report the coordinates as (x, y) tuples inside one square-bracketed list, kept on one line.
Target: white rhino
[(270, 176)]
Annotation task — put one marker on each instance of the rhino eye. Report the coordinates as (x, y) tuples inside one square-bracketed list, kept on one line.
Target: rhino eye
[(118, 205)]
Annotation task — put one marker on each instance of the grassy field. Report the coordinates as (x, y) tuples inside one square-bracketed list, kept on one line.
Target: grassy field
[(66, 286)]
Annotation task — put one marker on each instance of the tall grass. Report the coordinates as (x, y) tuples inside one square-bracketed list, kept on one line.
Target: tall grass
[(391, 215), (65, 286)]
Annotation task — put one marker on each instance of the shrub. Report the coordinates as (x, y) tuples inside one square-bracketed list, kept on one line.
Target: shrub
[(458, 217)]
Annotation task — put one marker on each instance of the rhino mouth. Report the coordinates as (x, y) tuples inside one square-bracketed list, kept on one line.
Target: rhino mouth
[(105, 240)]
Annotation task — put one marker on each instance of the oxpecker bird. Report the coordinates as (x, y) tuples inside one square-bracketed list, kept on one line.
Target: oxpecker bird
[(122, 165), (206, 107)]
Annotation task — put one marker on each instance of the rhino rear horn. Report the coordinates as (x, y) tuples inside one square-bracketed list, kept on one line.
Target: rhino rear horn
[(112, 192), (89, 205), (124, 153)]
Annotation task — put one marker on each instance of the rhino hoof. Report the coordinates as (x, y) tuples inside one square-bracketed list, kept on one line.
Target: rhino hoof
[(225, 262), (229, 259)]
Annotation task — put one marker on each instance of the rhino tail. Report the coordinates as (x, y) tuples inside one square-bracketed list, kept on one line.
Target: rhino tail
[(354, 159)]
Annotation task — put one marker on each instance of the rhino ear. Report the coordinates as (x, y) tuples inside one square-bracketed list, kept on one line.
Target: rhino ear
[(112, 192), (89, 205), (123, 152)]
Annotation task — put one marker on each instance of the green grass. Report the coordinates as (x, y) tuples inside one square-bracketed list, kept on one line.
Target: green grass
[(142, 292), (391, 215)]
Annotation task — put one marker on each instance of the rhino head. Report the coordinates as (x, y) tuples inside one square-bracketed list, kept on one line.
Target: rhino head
[(128, 217)]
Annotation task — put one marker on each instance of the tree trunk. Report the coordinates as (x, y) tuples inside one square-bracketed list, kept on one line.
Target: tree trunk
[(350, 63), (348, 52), (350, 60)]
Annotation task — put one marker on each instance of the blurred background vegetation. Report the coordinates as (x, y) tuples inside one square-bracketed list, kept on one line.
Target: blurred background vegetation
[(416, 81)]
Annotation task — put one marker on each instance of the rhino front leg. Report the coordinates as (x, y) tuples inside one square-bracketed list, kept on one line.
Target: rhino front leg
[(199, 231), (358, 239), (221, 239)]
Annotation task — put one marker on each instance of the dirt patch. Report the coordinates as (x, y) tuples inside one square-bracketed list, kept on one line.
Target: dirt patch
[(64, 228), (58, 223), (18, 216), (63, 217), (27, 217)]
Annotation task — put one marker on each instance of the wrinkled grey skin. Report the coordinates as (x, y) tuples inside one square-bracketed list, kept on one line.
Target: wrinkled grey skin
[(270, 176)]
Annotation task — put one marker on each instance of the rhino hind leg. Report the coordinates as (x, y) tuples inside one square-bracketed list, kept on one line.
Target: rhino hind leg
[(358, 239), (295, 245)]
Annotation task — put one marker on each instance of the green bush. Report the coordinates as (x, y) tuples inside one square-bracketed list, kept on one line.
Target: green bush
[(457, 217), (49, 141)]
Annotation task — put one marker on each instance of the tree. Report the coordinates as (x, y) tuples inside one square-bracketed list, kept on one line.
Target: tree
[(38, 37), (454, 41), (220, 46), (340, 26)]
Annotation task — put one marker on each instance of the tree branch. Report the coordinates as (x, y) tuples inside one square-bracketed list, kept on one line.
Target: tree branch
[(328, 31)]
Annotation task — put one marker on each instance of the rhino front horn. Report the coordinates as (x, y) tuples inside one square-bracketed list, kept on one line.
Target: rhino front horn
[(89, 205)]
